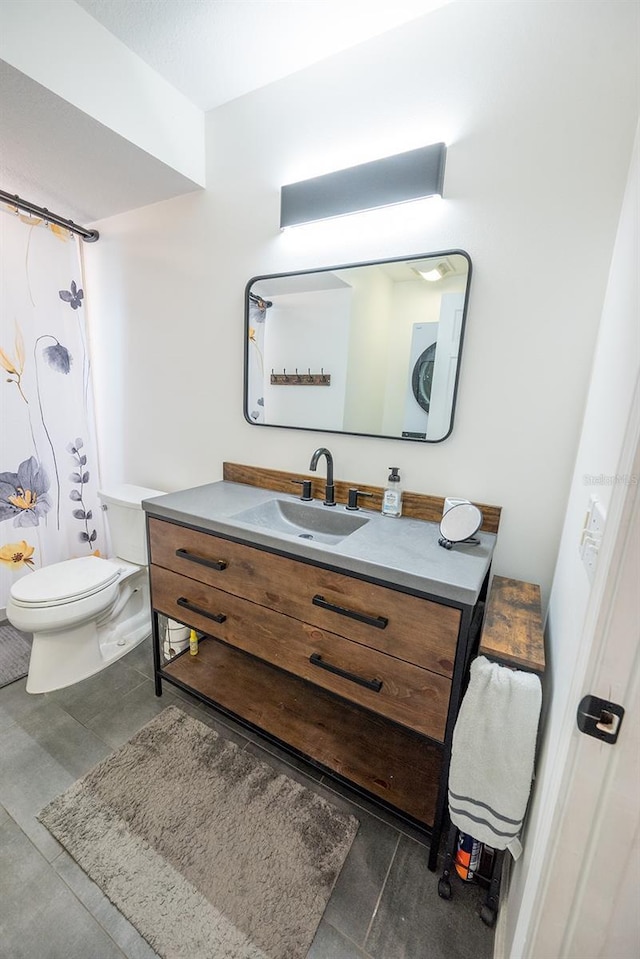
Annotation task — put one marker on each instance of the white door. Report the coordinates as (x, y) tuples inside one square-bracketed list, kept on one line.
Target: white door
[(446, 365), (590, 908)]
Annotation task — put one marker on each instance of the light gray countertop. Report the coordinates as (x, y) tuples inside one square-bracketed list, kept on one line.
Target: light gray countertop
[(399, 551)]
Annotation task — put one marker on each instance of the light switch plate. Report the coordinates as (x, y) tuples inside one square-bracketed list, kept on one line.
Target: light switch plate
[(591, 536)]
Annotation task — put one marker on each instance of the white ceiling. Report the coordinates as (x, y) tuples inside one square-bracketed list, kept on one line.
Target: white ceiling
[(60, 158), (212, 51)]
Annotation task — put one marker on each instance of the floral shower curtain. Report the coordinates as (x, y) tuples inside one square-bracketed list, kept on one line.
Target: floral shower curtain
[(48, 457), (255, 398)]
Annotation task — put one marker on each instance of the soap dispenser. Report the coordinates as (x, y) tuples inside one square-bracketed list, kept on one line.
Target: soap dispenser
[(392, 498)]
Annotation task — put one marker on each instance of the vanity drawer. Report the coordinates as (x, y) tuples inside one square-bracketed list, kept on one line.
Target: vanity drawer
[(407, 694), (409, 628)]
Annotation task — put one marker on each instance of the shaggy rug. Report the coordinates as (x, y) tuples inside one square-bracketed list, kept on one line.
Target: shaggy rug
[(206, 850), (15, 651)]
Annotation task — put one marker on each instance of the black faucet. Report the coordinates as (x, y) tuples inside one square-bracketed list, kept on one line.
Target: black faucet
[(330, 490)]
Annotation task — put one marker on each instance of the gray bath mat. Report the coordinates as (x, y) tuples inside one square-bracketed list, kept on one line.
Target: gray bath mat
[(206, 850), (15, 650)]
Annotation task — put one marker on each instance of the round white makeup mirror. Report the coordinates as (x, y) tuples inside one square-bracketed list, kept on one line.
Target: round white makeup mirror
[(459, 525)]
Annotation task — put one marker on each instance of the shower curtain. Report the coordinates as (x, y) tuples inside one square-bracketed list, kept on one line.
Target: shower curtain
[(255, 378), (48, 457)]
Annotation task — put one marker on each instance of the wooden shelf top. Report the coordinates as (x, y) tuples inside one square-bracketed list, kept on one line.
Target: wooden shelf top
[(512, 633)]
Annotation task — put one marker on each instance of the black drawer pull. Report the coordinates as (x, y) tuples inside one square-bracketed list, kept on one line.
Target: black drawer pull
[(216, 617), (211, 563), (375, 684), (380, 622)]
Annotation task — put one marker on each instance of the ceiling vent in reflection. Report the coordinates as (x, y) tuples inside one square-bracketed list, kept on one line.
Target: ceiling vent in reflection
[(438, 272)]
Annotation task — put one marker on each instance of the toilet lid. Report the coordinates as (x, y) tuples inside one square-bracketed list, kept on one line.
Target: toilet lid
[(62, 582)]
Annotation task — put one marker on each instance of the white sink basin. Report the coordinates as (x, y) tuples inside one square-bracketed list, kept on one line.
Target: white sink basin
[(321, 524)]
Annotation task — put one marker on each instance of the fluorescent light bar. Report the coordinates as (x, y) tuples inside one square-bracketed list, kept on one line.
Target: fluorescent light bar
[(397, 179)]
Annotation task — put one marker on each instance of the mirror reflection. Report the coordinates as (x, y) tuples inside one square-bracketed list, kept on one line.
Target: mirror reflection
[(369, 348)]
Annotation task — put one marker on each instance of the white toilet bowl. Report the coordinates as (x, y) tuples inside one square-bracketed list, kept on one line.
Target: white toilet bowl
[(86, 613)]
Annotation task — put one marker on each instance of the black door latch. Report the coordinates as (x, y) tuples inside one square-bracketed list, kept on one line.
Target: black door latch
[(600, 718)]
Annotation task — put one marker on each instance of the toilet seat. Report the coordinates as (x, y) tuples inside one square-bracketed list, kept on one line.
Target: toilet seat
[(65, 582)]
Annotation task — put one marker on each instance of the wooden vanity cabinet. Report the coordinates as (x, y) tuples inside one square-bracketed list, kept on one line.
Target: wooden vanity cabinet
[(360, 678)]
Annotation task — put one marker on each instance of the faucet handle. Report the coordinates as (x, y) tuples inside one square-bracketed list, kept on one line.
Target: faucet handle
[(353, 498), (306, 489)]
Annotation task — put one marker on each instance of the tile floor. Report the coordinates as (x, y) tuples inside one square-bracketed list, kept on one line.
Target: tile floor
[(385, 903)]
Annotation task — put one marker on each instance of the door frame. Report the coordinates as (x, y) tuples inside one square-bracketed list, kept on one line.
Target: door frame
[(541, 930)]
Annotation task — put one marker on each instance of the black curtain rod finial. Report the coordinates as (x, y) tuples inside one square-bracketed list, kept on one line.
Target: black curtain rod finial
[(260, 303)]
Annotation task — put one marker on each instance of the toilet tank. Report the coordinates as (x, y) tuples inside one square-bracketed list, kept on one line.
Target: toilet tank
[(125, 518)]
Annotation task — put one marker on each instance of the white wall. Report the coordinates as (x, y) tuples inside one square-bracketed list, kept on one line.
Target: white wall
[(305, 332), (64, 49), (368, 350), (609, 407), (538, 104)]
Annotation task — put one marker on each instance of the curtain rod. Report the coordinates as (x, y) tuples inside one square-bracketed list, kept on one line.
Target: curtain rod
[(14, 200)]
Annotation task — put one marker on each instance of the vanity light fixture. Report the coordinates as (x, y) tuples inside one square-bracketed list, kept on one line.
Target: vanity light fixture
[(413, 175)]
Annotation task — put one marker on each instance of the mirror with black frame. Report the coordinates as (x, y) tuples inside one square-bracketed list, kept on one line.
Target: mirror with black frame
[(368, 348)]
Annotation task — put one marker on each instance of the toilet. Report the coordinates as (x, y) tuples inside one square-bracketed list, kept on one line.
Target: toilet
[(85, 613)]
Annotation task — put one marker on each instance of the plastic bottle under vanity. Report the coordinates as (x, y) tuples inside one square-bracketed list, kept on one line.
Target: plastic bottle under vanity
[(392, 497)]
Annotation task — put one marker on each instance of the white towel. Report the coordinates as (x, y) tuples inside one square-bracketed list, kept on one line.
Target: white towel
[(492, 754)]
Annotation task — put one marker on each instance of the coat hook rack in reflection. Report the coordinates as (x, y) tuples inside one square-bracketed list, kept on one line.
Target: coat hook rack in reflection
[(301, 379)]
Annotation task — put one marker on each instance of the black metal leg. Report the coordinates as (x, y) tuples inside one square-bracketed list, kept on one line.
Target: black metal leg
[(434, 847), (441, 815), (155, 633), (444, 883), (460, 669), (489, 910)]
